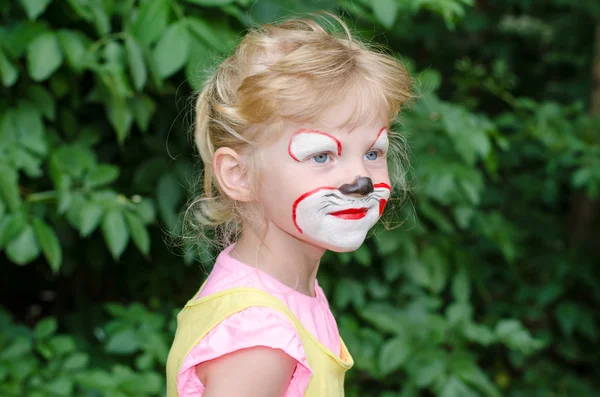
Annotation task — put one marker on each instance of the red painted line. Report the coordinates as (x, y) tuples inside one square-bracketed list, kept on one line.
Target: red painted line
[(382, 185), (382, 203), (305, 195), (351, 213), (305, 131), (378, 135)]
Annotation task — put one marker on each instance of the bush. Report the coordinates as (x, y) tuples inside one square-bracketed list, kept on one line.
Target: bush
[(490, 287)]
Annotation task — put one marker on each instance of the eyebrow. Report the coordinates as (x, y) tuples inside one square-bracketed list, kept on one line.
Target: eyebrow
[(336, 141), (384, 128)]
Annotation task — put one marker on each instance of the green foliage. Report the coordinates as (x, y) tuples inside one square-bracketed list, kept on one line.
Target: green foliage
[(488, 288), (43, 362)]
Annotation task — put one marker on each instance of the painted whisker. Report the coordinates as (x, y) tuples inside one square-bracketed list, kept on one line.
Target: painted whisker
[(328, 205), (333, 195)]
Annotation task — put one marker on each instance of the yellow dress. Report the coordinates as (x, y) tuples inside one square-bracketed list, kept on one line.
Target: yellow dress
[(199, 316)]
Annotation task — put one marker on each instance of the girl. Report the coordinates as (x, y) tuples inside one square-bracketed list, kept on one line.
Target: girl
[(293, 133)]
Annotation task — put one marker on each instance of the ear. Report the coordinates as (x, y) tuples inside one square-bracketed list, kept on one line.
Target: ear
[(228, 166)]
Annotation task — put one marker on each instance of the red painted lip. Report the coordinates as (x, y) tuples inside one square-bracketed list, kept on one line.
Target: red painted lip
[(351, 213)]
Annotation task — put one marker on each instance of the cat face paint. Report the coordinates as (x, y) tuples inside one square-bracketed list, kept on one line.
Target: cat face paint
[(338, 217), (342, 221)]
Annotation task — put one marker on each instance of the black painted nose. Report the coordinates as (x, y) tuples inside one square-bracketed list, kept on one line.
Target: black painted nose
[(361, 185)]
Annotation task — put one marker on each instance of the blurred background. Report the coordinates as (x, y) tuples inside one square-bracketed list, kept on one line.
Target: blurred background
[(491, 286)]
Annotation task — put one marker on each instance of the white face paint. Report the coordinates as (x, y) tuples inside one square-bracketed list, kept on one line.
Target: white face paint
[(382, 141), (327, 216), (306, 143)]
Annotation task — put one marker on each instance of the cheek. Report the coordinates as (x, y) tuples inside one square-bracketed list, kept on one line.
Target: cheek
[(278, 187), (380, 173)]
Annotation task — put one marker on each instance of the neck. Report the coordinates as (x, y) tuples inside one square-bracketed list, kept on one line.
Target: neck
[(293, 262)]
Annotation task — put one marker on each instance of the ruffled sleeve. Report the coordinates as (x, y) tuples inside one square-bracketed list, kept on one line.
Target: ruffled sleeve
[(254, 326)]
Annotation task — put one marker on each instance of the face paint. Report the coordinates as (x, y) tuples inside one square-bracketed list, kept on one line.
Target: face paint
[(382, 141), (306, 143), (328, 216), (382, 201)]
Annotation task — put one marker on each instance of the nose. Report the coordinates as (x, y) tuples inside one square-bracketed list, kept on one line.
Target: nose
[(361, 186)]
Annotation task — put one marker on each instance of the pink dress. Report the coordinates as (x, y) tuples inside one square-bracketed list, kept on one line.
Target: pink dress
[(260, 326)]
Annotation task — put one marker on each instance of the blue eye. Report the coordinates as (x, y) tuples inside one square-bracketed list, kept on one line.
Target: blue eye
[(321, 158), (372, 155)]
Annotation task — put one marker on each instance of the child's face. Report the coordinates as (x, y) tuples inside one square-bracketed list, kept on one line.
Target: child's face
[(323, 184)]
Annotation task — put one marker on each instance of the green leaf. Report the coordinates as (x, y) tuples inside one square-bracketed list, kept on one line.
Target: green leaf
[(25, 161), (461, 287), (143, 109), (42, 100), (71, 160), (9, 187), (512, 333), (59, 387), (49, 242), (362, 255), (144, 361), (30, 128), (393, 354), (98, 380), (205, 31), (384, 317), (427, 367), (568, 315), (464, 366), (135, 61), (76, 361), (169, 193), (44, 56), (74, 45), (463, 214), (172, 50), (348, 291), (24, 248), (20, 35), (428, 210), (19, 347), (195, 67), (385, 11), (45, 328), (211, 3), (140, 235), (147, 383), (62, 344), (116, 233), (65, 195), (102, 175), (151, 21), (11, 226), (34, 8), (459, 313), (430, 270), (101, 18), (120, 117), (392, 268), (454, 387), (8, 72), (146, 211), (123, 342), (387, 243)]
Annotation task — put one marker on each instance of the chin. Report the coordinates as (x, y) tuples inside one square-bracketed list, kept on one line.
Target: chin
[(346, 243), (343, 249)]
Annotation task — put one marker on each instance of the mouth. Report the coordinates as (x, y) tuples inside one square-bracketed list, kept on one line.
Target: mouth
[(351, 213)]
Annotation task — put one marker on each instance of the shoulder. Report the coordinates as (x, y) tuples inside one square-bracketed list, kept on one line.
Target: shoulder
[(260, 334), (259, 371)]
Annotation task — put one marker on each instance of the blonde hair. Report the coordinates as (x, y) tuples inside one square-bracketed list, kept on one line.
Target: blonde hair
[(290, 71)]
